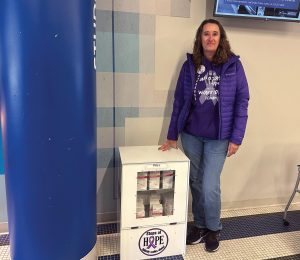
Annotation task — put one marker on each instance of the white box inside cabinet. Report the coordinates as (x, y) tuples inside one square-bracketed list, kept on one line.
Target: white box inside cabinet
[(154, 202)]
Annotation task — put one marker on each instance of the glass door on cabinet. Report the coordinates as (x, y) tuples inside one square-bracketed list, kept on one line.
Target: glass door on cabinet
[(155, 193)]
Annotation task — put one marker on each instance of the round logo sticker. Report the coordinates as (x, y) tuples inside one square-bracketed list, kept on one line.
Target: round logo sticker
[(153, 241), (201, 69)]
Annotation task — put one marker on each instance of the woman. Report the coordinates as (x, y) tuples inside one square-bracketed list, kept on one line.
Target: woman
[(210, 114)]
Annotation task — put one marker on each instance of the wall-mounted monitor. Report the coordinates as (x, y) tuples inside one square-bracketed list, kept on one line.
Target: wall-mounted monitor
[(284, 10)]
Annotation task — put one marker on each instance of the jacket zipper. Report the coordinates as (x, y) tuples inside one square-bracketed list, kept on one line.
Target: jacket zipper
[(220, 117)]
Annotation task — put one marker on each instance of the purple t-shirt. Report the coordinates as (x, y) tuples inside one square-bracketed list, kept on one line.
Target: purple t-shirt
[(203, 118)]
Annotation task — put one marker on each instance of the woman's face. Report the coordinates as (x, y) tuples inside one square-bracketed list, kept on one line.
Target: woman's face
[(210, 38)]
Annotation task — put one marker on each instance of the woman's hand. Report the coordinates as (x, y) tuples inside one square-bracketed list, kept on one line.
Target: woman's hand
[(168, 145), (232, 149)]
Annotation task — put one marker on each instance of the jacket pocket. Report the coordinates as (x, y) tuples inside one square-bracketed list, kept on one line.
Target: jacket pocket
[(183, 117)]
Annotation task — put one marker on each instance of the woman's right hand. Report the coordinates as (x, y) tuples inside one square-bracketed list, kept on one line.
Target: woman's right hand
[(168, 145)]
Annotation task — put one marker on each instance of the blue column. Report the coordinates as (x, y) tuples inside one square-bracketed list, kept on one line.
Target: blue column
[(47, 84)]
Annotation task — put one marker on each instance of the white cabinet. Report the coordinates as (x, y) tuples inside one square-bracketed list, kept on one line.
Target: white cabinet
[(154, 197)]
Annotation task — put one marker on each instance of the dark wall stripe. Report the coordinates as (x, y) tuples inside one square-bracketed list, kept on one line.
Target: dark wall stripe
[(109, 257), (289, 257), (259, 225), (104, 229), (4, 240)]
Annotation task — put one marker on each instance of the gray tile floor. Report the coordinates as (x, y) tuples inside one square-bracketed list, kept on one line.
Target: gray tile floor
[(269, 246)]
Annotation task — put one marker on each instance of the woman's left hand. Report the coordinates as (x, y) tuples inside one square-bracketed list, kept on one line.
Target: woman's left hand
[(232, 149)]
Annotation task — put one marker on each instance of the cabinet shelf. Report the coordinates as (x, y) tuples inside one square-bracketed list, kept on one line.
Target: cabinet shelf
[(156, 191)]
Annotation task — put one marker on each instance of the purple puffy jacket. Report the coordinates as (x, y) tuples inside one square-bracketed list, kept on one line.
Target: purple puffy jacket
[(233, 100)]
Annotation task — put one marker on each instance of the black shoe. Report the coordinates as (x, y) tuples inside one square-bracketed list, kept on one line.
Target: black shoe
[(212, 241), (196, 235)]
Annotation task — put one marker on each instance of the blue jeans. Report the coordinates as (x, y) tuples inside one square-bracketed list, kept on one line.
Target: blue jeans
[(207, 158)]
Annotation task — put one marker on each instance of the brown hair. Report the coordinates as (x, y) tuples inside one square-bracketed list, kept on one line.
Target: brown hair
[(223, 52)]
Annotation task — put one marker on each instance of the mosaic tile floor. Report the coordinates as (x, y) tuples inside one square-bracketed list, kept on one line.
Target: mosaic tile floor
[(252, 233)]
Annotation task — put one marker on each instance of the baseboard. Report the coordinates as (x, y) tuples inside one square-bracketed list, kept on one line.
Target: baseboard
[(107, 217), (257, 203), (3, 227)]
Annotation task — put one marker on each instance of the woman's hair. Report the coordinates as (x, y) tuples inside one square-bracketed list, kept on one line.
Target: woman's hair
[(223, 52)]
